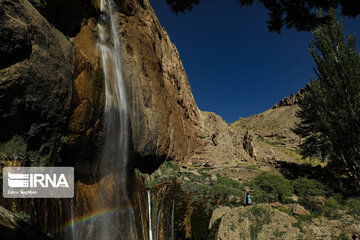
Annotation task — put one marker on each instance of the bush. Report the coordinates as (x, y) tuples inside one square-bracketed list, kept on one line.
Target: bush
[(170, 168), (354, 206), (16, 150), (13, 150), (304, 187), (228, 182), (329, 210), (272, 187)]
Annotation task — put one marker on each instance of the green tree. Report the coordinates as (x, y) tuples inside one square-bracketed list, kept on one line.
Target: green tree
[(330, 111)]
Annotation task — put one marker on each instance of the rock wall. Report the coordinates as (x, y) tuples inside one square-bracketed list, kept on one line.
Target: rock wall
[(164, 116), (35, 75)]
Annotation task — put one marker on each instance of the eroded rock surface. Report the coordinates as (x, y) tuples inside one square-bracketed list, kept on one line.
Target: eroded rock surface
[(164, 116), (35, 74)]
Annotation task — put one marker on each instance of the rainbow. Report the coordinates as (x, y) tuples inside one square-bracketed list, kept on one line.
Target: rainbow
[(88, 218)]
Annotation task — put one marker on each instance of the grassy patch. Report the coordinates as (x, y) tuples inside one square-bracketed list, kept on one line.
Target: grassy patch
[(252, 167)]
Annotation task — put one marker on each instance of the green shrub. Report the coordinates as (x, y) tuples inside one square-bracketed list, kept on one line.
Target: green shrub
[(312, 206), (228, 182), (304, 187), (354, 206), (170, 168), (329, 210), (16, 150), (13, 150), (272, 187)]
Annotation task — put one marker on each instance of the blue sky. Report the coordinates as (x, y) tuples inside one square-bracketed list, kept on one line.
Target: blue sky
[(235, 66)]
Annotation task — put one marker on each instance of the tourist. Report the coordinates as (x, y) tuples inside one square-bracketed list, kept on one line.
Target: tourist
[(246, 198), (249, 199)]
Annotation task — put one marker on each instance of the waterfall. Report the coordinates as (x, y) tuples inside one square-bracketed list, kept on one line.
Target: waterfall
[(149, 207), (113, 194)]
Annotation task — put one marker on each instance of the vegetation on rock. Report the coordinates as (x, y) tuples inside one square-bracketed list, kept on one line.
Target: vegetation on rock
[(16, 150)]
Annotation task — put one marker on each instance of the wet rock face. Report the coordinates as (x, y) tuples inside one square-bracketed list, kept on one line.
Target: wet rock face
[(35, 74), (164, 116)]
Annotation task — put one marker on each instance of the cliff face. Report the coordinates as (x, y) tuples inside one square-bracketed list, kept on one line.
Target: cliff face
[(35, 75), (52, 92), (164, 116)]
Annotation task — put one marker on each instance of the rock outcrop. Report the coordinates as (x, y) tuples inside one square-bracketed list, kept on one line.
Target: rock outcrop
[(293, 98), (35, 75), (219, 143)]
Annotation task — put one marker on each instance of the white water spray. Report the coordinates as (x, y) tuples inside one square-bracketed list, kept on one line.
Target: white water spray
[(149, 207), (115, 154)]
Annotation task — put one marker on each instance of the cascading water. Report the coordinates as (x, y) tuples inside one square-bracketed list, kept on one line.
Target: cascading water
[(120, 224), (149, 208)]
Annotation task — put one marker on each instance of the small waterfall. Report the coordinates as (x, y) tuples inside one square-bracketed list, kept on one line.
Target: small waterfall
[(119, 223), (149, 207)]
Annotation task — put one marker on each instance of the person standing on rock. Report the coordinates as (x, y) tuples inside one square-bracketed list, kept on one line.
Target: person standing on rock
[(246, 198)]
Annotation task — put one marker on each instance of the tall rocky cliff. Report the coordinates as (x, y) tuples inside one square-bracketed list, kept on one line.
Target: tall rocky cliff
[(164, 115), (52, 93), (54, 84)]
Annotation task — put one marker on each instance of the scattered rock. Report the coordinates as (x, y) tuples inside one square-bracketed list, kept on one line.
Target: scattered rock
[(294, 198), (319, 200), (299, 210)]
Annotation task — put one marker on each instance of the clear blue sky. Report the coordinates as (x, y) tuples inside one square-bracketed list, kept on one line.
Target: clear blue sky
[(235, 66)]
